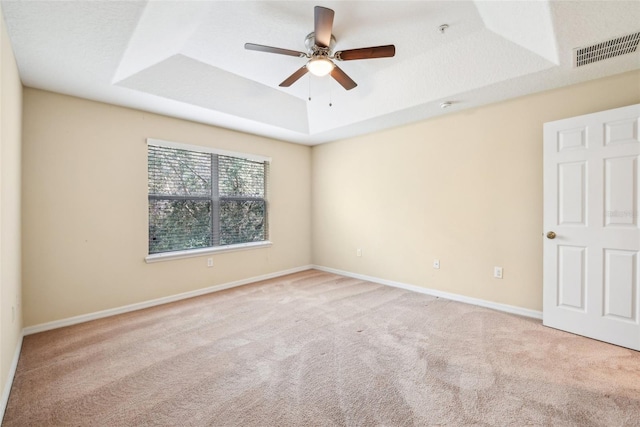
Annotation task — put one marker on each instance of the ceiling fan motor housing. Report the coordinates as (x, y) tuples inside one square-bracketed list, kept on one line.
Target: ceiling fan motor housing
[(315, 50)]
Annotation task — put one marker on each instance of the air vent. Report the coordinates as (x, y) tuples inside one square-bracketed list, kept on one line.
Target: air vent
[(605, 50)]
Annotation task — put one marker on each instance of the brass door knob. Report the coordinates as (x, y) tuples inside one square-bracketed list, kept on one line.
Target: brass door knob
[(551, 235)]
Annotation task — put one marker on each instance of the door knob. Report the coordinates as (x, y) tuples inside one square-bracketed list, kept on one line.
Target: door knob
[(551, 235)]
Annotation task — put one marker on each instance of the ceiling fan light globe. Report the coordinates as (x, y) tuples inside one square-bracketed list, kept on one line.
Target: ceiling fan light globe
[(320, 66)]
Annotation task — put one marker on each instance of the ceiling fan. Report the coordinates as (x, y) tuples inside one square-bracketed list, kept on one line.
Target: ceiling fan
[(319, 45)]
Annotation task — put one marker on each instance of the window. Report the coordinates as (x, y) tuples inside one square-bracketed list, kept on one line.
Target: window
[(201, 198)]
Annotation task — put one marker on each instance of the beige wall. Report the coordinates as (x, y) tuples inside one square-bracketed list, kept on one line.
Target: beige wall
[(465, 188), (85, 208), (10, 142)]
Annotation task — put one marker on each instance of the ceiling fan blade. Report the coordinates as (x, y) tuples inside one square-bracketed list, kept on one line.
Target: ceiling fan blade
[(294, 77), (367, 53), (342, 78), (323, 25), (269, 49)]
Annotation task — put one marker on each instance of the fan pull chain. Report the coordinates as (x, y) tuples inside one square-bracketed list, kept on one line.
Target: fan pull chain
[(309, 80), (330, 103)]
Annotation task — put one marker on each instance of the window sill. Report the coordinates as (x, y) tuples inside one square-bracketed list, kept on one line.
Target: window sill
[(168, 256)]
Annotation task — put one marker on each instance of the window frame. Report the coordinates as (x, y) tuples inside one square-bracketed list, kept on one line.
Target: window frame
[(188, 253)]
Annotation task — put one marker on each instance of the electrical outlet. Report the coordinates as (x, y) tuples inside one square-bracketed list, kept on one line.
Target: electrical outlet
[(436, 264), (497, 272), (358, 252), (209, 262)]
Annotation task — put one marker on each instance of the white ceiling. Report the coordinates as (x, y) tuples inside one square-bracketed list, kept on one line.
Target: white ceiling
[(187, 59)]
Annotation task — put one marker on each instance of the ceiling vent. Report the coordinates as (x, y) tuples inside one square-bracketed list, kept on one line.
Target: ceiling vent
[(605, 50)]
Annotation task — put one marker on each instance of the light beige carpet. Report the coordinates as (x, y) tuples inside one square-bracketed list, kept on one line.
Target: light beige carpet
[(318, 349)]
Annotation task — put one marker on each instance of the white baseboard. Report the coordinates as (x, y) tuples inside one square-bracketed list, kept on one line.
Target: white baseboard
[(454, 297), (164, 300), (152, 303), (12, 373)]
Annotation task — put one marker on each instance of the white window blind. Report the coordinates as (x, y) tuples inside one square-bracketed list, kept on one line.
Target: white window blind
[(204, 199)]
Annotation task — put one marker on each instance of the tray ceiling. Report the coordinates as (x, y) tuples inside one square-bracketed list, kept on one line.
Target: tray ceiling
[(186, 59)]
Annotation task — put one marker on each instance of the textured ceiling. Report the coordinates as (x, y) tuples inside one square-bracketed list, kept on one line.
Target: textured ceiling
[(187, 59)]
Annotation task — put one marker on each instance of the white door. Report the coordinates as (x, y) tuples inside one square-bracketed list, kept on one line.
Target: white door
[(591, 231)]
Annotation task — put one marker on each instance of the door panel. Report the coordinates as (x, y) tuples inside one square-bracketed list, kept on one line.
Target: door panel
[(572, 139), (572, 193), (620, 191), (621, 131), (620, 284), (572, 276), (591, 202)]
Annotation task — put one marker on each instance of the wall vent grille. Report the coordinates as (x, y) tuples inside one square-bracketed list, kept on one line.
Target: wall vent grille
[(605, 50)]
